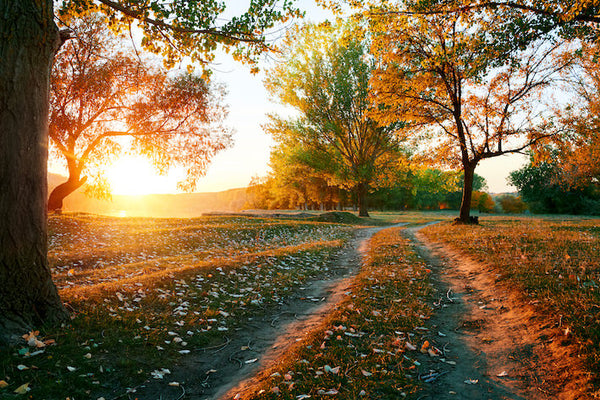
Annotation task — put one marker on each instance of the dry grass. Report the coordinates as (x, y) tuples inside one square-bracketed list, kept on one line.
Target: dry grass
[(363, 350), (554, 262), (145, 292)]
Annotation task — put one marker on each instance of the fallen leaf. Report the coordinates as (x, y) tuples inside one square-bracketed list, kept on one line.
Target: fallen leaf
[(22, 367), (23, 389), (175, 384), (366, 373), (334, 370), (502, 374), (410, 347), (472, 381), (3, 384)]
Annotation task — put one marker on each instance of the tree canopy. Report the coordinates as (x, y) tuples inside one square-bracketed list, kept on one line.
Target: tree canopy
[(100, 92), (325, 78)]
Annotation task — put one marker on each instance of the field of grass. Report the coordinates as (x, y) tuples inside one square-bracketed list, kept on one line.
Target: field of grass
[(368, 347), (145, 292), (554, 261)]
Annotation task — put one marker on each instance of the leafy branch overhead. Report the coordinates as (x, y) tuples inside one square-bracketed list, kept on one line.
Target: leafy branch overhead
[(194, 29)]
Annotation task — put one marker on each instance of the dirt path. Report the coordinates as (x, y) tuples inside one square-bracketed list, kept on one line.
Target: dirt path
[(497, 345), (223, 371)]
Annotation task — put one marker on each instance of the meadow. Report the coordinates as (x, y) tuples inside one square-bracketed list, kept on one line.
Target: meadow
[(144, 294)]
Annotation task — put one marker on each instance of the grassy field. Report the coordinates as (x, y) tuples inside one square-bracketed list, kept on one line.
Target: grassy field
[(146, 292), (554, 261), (143, 292)]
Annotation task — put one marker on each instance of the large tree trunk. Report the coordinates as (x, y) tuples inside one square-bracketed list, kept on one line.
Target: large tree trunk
[(362, 193), (465, 205), (28, 40)]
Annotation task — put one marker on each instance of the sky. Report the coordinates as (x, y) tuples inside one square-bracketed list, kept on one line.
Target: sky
[(249, 104)]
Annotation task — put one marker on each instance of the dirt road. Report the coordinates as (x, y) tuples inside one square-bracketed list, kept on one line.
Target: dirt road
[(495, 345), (502, 346)]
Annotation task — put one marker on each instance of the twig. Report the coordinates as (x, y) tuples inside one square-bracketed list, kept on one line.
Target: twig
[(182, 394)]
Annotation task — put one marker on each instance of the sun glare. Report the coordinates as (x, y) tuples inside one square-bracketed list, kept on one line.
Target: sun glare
[(131, 175)]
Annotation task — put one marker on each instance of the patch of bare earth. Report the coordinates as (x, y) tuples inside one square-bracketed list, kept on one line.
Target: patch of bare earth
[(497, 344)]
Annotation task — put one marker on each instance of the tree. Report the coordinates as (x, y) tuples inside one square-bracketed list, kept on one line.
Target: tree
[(541, 187), (511, 204), (29, 39), (436, 74), (99, 93), (326, 79)]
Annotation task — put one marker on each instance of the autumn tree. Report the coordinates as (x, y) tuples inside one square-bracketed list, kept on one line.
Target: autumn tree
[(325, 78), (29, 39), (99, 93), (435, 72)]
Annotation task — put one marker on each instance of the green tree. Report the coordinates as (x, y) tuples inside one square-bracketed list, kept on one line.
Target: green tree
[(29, 39), (545, 191), (99, 93), (326, 80)]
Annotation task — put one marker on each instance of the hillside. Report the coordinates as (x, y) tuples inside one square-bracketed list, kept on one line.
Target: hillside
[(156, 205)]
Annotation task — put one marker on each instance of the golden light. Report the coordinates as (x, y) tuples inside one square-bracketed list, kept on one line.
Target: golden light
[(135, 176)]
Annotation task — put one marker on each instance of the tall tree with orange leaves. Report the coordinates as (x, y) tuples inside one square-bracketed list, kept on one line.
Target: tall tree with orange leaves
[(435, 72), (100, 93)]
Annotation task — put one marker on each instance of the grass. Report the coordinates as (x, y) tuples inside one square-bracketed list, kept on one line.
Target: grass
[(553, 261), (145, 292), (363, 350)]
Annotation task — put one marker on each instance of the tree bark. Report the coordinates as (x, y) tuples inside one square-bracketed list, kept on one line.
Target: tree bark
[(28, 40), (361, 193), (467, 194)]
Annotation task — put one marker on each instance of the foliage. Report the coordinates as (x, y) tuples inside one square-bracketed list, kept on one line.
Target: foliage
[(577, 149), (435, 72), (100, 93), (326, 80), (552, 261), (181, 29), (545, 191), (511, 204)]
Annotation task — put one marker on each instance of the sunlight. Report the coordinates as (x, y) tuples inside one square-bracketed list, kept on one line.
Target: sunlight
[(134, 175)]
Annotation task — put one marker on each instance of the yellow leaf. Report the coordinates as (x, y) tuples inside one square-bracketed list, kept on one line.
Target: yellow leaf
[(3, 384), (23, 389)]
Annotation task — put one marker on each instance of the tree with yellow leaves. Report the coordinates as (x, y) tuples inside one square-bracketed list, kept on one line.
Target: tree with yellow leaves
[(438, 74)]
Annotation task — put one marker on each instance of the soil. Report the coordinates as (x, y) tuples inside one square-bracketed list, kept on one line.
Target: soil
[(495, 343), (504, 347)]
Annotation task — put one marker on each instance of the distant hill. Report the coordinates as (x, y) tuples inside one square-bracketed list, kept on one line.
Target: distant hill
[(155, 205)]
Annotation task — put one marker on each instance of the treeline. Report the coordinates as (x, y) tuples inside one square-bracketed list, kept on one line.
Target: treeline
[(417, 189)]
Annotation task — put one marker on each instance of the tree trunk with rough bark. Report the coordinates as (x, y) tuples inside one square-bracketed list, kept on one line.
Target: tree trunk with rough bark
[(465, 205), (28, 40), (362, 193)]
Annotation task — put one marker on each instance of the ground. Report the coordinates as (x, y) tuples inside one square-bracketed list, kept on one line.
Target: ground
[(269, 307), (494, 344)]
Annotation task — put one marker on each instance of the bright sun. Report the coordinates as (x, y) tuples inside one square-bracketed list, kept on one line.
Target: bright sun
[(131, 175)]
